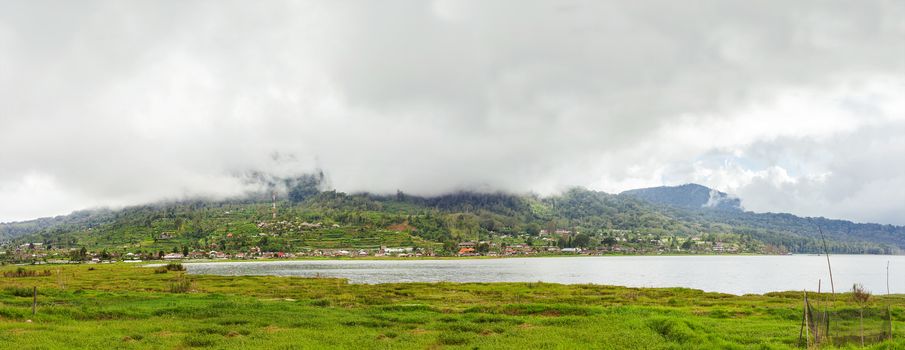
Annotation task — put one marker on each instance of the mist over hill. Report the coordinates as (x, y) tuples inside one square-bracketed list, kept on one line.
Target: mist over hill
[(691, 196), (670, 216)]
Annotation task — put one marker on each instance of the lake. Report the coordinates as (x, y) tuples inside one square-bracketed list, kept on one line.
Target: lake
[(725, 274)]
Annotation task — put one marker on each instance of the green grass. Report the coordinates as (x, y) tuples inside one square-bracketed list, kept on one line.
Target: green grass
[(132, 307)]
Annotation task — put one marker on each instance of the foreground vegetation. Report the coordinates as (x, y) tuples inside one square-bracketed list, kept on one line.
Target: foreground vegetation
[(129, 306)]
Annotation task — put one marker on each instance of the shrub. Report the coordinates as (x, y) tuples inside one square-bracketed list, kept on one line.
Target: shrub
[(174, 267), (453, 339), (20, 291), (198, 341), (21, 272), (181, 286), (169, 267)]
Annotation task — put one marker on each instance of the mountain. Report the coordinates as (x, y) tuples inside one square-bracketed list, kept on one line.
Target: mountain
[(690, 196), (688, 218)]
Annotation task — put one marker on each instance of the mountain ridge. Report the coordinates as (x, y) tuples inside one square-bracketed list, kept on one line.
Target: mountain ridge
[(678, 213)]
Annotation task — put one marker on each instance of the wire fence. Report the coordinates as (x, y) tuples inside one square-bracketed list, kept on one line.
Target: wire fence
[(822, 325)]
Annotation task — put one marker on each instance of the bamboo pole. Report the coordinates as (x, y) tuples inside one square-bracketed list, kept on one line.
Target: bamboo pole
[(807, 324), (801, 329), (888, 311), (826, 251), (817, 325)]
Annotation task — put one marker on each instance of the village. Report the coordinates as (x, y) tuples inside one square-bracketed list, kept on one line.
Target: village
[(555, 243)]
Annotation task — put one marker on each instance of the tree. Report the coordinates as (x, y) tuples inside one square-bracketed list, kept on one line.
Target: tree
[(79, 255), (185, 250), (305, 186), (487, 223), (582, 240), (533, 229)]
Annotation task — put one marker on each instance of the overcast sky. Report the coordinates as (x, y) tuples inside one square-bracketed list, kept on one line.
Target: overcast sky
[(794, 106)]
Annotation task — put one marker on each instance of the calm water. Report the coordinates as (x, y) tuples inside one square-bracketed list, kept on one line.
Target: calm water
[(727, 274)]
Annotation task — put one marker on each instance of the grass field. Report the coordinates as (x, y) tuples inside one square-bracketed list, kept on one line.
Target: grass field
[(132, 307)]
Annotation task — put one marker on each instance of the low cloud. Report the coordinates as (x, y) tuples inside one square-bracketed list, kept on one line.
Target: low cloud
[(112, 103)]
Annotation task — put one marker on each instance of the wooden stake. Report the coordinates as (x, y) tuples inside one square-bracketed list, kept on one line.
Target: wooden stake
[(803, 324), (807, 323), (888, 312), (816, 324)]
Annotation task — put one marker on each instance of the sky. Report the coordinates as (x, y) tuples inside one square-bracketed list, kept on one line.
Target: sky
[(793, 106)]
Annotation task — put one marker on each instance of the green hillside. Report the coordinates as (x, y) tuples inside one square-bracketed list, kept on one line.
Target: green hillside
[(310, 219)]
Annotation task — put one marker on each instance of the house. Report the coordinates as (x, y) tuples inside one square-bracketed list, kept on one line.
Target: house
[(467, 245), (31, 246), (467, 252), (165, 235), (308, 225), (172, 256), (570, 250), (398, 250)]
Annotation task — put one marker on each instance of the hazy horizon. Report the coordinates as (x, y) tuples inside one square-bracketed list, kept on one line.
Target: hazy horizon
[(793, 107)]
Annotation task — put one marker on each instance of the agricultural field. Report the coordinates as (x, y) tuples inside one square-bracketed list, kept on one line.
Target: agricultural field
[(129, 306)]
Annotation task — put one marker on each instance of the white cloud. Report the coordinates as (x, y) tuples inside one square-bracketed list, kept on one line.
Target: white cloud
[(129, 102)]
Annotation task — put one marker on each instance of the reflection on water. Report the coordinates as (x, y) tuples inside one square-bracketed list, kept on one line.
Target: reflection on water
[(727, 274)]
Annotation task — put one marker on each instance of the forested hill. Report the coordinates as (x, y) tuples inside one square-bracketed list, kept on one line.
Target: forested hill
[(690, 196), (650, 220)]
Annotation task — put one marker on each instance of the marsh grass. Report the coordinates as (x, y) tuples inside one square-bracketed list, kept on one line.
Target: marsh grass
[(23, 272), (169, 267), (181, 286), (130, 307)]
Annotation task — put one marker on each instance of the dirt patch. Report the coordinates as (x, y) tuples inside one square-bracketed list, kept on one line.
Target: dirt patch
[(403, 227), (419, 331)]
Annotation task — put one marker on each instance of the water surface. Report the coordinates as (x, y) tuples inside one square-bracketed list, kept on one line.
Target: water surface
[(726, 274)]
